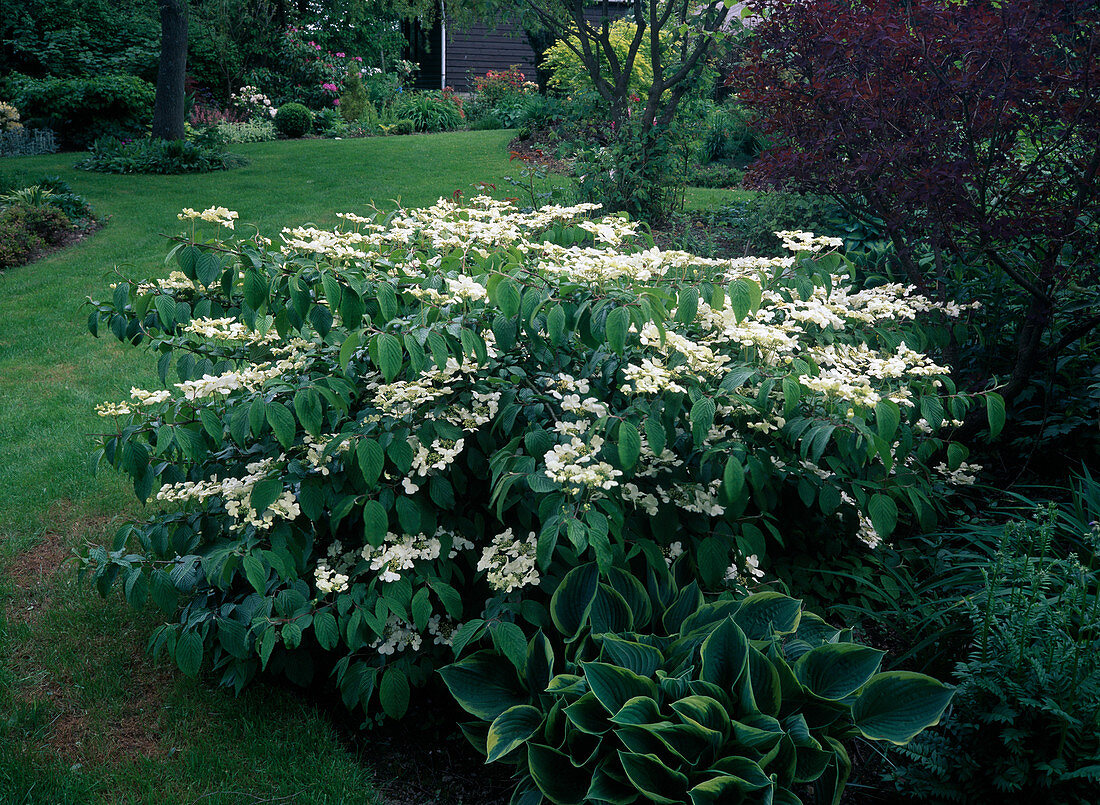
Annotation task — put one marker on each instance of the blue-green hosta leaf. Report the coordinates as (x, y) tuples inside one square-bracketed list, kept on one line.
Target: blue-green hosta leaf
[(567, 684), (767, 689), (762, 615), (896, 705), (638, 657), (609, 784), (572, 601), (637, 711), (555, 775), (614, 686), (830, 785), (749, 772), (610, 612), (725, 655), (539, 668), (511, 729), (837, 670), (588, 715), (634, 594), (657, 782), (704, 711), (483, 685)]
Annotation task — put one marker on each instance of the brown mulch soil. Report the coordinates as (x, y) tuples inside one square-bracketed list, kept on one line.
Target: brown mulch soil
[(424, 759)]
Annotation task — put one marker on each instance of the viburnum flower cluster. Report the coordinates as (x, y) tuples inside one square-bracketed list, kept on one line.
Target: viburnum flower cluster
[(410, 426)]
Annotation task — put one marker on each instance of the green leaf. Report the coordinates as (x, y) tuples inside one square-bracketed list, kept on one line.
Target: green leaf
[(508, 296), (687, 305), (555, 325), (658, 783), (995, 413), (630, 444), (655, 433), (637, 657), (326, 630), (282, 423), (256, 289), (189, 653), (255, 572), (896, 705), (511, 729), (376, 522), (614, 686), (390, 354), (556, 776), (733, 478), (394, 692), (387, 301), (762, 615), (836, 670), (618, 320), (725, 655), (511, 642), (702, 418), (307, 404), (741, 298), (421, 609), (166, 309), (371, 460), (483, 685), (264, 493), (884, 514), (572, 600), (887, 419)]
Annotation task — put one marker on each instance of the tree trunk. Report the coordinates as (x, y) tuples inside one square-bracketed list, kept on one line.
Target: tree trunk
[(540, 41), (172, 72)]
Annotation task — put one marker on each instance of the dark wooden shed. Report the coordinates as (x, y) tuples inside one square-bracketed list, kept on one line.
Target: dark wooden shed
[(451, 57)]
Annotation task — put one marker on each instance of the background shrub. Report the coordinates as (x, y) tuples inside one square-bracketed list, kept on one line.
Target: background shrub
[(293, 120), (1024, 724), (26, 230), (430, 111), (82, 110), (534, 422), (353, 100), (254, 131), (111, 155)]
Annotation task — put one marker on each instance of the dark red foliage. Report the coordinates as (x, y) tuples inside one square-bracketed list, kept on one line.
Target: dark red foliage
[(970, 127)]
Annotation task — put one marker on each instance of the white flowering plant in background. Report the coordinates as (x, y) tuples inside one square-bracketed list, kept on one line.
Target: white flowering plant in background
[(390, 440)]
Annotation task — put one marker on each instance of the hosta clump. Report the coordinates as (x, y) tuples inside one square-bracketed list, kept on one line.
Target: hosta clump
[(368, 432), (657, 696)]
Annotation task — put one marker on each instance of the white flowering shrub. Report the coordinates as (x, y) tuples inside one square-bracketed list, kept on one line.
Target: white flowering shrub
[(380, 443)]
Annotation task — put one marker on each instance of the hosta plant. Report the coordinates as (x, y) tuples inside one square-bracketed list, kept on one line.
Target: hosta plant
[(657, 696), (367, 433)]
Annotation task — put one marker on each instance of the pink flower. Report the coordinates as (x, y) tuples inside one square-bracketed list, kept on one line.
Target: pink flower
[(359, 58), (339, 55), (335, 101)]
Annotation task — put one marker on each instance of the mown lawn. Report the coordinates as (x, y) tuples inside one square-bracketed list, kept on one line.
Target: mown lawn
[(85, 717)]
